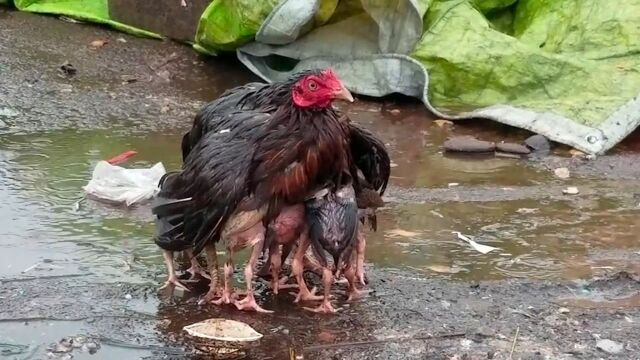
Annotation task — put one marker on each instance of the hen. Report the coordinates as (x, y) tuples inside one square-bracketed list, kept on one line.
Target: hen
[(370, 169), (235, 181)]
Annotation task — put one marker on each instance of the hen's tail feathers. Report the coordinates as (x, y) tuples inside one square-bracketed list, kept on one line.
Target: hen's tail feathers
[(170, 218)]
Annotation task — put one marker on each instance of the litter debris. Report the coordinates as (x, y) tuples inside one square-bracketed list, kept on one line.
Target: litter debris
[(119, 185), (67, 70), (443, 269), (8, 112), (562, 173), (527, 210), (484, 249), (609, 346), (98, 43), (571, 190), (401, 233), (121, 40), (443, 123), (223, 330), (453, 184)]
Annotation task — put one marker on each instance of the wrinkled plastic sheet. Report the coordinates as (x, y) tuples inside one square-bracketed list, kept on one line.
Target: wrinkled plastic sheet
[(568, 69), (117, 185)]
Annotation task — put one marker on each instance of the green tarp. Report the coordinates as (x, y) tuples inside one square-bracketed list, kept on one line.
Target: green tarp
[(567, 69)]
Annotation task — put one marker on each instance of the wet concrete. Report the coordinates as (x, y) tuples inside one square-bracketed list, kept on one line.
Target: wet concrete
[(565, 274)]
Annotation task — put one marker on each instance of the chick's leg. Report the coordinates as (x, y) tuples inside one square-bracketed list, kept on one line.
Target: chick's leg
[(195, 269), (212, 263), (327, 281), (350, 273), (173, 279), (361, 244), (249, 301), (297, 268)]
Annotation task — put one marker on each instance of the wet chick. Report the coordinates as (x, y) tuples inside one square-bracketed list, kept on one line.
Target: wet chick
[(332, 221)]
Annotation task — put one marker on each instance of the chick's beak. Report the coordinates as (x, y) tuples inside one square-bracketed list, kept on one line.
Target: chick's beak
[(344, 94)]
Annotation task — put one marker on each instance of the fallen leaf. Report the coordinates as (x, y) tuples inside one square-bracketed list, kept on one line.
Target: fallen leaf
[(571, 190), (484, 249), (562, 173), (223, 330), (444, 269), (443, 123), (98, 43), (403, 233)]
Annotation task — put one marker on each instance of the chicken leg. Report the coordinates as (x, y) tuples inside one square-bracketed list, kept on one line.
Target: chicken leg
[(325, 307), (195, 270), (249, 301), (173, 279), (361, 245), (212, 263), (297, 268)]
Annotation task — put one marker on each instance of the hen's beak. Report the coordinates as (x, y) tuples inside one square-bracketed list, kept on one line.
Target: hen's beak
[(344, 94)]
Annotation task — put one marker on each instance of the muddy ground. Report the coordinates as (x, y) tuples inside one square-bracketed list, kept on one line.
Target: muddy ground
[(565, 279)]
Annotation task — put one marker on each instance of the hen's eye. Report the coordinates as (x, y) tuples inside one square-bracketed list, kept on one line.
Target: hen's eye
[(312, 85)]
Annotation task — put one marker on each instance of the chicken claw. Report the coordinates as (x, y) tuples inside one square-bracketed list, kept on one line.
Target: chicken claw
[(324, 308), (305, 295), (249, 304), (173, 281)]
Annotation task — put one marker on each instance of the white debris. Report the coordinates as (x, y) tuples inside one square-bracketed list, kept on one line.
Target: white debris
[(223, 330), (485, 249), (117, 184)]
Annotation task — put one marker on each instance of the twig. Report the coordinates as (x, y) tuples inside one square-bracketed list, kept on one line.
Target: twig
[(126, 345), (515, 339), (40, 278), (381, 341)]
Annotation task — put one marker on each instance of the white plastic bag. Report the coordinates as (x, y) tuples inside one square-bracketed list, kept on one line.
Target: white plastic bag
[(120, 185)]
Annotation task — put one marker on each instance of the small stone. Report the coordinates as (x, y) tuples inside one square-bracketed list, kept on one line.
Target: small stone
[(90, 347), (468, 144), (128, 297), (562, 173), (285, 331), (122, 40), (563, 310), (513, 148), (394, 111), (571, 190), (445, 304), (538, 143), (609, 346)]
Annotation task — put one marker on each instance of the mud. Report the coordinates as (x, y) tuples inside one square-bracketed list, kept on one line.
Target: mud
[(566, 273)]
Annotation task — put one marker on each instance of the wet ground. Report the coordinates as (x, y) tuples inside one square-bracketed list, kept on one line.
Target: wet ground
[(566, 274)]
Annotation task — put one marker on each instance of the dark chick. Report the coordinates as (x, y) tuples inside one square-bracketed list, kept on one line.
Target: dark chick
[(332, 220), (235, 181)]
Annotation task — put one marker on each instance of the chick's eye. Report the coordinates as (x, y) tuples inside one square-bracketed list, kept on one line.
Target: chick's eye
[(312, 85)]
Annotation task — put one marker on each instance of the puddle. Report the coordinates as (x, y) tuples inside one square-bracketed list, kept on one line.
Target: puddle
[(50, 149)]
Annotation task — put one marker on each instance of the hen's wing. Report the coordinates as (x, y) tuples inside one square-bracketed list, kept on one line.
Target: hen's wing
[(213, 182), (213, 116), (370, 157)]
